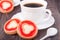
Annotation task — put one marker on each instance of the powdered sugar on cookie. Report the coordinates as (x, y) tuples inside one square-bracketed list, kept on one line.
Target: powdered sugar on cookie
[(5, 5), (27, 28), (12, 24)]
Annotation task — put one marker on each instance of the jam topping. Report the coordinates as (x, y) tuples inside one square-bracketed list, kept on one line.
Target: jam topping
[(6, 5), (11, 24), (27, 28)]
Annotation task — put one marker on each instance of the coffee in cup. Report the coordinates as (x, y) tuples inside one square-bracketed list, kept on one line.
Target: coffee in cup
[(33, 5)]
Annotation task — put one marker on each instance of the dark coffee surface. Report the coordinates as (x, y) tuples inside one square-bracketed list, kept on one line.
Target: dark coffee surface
[(32, 5), (52, 5)]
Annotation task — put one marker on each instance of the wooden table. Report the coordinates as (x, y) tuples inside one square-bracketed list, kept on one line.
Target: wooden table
[(55, 8)]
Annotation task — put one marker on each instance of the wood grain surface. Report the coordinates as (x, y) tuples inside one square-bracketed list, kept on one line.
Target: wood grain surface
[(53, 5)]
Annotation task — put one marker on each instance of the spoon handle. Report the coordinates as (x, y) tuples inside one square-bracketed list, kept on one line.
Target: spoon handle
[(44, 37)]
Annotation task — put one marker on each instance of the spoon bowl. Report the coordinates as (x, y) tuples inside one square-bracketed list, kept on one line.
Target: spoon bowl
[(50, 32)]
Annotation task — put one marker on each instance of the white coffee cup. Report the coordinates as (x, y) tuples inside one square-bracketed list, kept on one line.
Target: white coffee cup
[(36, 14)]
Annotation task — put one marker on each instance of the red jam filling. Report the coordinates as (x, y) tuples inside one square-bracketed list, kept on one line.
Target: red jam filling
[(6, 25), (11, 5), (31, 33)]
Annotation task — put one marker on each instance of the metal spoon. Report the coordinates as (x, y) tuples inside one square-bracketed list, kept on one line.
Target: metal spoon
[(50, 32)]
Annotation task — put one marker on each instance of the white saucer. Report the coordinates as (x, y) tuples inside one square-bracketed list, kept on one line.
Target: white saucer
[(46, 24), (40, 26), (16, 2)]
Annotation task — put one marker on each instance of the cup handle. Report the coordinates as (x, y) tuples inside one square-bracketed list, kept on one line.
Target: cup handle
[(49, 14)]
